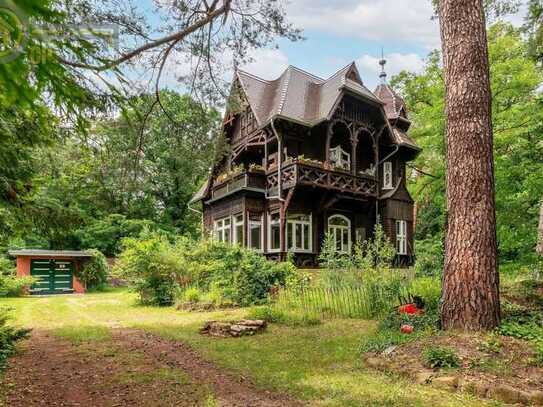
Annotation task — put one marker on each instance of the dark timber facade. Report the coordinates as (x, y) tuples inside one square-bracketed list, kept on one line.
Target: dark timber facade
[(309, 156)]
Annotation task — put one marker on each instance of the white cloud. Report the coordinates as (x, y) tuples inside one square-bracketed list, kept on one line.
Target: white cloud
[(398, 20), (267, 64), (369, 67)]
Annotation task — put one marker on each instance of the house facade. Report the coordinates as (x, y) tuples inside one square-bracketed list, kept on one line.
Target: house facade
[(307, 156)]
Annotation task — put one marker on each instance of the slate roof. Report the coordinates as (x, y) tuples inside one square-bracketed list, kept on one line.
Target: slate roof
[(300, 96), (49, 253)]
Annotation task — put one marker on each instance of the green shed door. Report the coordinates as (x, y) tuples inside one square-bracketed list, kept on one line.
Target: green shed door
[(53, 276)]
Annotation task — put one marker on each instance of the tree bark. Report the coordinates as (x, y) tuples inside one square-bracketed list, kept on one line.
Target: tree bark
[(470, 297), (539, 248)]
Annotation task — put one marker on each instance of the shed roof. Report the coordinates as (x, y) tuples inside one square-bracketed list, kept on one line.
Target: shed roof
[(49, 253)]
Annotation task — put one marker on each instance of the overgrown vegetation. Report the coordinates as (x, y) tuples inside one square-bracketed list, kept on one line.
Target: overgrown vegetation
[(439, 357), (10, 284), (162, 271), (94, 272), (9, 336)]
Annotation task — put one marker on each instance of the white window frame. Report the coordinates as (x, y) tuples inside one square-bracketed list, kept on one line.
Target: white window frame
[(220, 227), (302, 223), (401, 237), (387, 175), (341, 229), (235, 223), (278, 222), (339, 158), (261, 224)]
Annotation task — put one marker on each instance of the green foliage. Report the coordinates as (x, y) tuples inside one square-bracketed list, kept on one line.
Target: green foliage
[(152, 267), (243, 276), (192, 294), (8, 337), (10, 284), (518, 148), (221, 272), (383, 339), (430, 257), (271, 313), (94, 272), (438, 357)]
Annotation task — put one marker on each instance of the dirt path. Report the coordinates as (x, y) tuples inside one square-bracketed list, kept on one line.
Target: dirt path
[(132, 368)]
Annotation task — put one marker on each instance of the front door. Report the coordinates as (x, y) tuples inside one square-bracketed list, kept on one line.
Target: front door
[(52, 276)]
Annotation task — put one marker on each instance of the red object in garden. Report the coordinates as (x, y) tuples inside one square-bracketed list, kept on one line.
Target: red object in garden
[(410, 309), (406, 329)]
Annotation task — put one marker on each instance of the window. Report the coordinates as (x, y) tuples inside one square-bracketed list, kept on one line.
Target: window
[(401, 237), (239, 227), (299, 237), (255, 232), (248, 122), (387, 175), (222, 230), (339, 227), (274, 239), (340, 158)]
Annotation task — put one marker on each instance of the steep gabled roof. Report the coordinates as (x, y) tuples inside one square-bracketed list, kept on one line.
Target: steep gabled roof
[(394, 104), (300, 96)]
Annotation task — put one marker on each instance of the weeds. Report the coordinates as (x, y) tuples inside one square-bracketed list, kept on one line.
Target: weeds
[(438, 357)]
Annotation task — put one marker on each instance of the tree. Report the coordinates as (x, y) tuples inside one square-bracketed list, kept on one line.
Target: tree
[(470, 298), (539, 248)]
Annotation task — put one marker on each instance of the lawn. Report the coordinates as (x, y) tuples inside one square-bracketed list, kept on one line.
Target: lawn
[(320, 364)]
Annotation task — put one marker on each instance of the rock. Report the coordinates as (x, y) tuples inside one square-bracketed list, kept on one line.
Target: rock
[(504, 393), (535, 397), (445, 382), (423, 377), (389, 350), (233, 329)]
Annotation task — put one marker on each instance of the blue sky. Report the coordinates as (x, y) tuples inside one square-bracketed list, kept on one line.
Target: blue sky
[(340, 31)]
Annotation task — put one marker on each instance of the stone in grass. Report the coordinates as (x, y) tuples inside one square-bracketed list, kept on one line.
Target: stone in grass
[(233, 329), (535, 397), (475, 387), (423, 377)]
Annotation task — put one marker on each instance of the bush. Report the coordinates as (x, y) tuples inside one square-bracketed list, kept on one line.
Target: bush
[(241, 276), (192, 294), (10, 284), (430, 257), (222, 273), (152, 267), (94, 272), (437, 357), (8, 337)]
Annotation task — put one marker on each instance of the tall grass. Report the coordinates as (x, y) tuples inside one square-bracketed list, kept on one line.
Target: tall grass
[(367, 296)]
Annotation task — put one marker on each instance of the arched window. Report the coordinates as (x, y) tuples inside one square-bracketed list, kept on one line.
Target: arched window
[(339, 227)]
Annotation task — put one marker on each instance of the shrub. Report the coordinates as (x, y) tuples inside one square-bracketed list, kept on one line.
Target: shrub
[(10, 284), (429, 257), (152, 267), (94, 272), (437, 357), (8, 337), (191, 294)]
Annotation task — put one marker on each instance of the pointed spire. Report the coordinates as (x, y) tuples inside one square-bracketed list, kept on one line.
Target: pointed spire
[(382, 62)]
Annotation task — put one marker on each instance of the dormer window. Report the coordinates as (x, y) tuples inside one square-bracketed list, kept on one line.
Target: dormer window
[(340, 158), (387, 175)]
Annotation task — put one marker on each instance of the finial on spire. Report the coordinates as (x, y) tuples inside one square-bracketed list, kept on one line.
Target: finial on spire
[(382, 62)]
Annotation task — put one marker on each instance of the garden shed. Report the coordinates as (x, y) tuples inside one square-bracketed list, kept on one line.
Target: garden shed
[(55, 271)]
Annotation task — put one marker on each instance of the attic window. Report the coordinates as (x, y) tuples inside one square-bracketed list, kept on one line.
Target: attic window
[(340, 158), (248, 122)]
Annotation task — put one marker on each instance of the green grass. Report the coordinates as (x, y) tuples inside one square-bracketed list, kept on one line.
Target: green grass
[(318, 363), (81, 334)]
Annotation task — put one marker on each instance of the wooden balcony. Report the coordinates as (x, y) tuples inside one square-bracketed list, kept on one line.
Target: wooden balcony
[(248, 180), (300, 173)]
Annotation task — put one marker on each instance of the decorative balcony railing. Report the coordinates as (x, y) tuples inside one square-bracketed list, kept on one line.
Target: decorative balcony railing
[(300, 173), (246, 180)]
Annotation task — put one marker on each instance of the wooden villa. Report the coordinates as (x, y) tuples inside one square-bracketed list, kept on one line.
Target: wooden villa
[(307, 156)]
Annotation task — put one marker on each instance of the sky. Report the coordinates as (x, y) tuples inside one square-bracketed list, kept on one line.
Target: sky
[(338, 32)]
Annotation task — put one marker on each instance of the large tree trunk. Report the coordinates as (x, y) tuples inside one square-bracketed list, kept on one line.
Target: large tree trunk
[(470, 298), (539, 248)]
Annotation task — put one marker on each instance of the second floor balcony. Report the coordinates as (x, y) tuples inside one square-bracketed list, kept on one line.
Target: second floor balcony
[(313, 174)]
